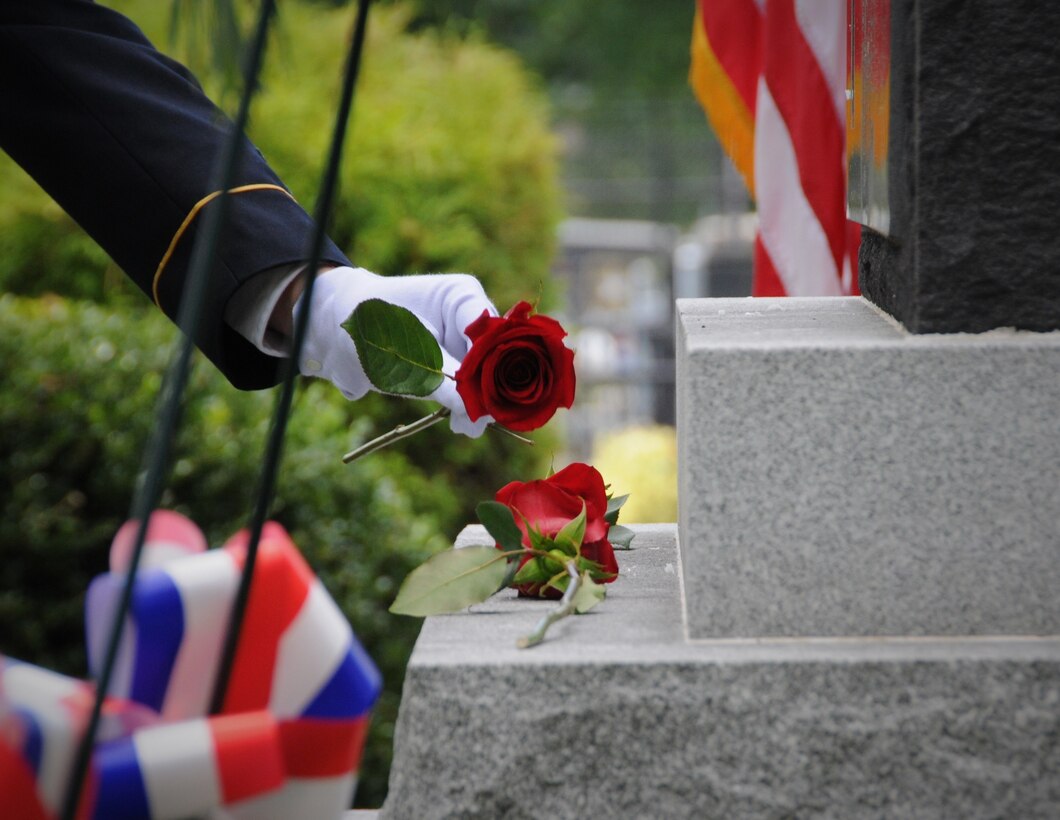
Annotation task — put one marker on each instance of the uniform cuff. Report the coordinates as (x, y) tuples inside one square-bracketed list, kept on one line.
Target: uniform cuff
[(250, 308)]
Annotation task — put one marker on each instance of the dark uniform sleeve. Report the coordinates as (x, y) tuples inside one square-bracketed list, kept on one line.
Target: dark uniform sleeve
[(124, 139)]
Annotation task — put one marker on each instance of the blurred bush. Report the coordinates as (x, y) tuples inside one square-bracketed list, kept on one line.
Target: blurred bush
[(76, 408), (641, 461), (449, 167)]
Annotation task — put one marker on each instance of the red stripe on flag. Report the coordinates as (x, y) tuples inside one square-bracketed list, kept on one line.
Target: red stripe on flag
[(279, 589), (313, 747), (247, 752), (734, 29), (18, 788), (804, 100)]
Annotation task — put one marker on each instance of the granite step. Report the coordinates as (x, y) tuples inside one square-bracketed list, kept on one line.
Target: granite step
[(618, 714)]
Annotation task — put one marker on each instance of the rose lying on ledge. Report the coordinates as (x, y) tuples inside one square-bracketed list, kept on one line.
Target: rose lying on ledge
[(550, 504), (555, 538), (518, 372)]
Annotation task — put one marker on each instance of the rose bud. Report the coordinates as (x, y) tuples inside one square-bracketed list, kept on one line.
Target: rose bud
[(518, 370), (549, 504)]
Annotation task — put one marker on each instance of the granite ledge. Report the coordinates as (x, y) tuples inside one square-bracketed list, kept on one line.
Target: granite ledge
[(617, 715)]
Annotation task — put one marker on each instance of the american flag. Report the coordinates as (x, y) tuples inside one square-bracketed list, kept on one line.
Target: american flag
[(771, 75)]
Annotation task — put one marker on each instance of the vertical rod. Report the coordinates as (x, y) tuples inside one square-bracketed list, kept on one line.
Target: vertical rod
[(274, 447), (168, 411)]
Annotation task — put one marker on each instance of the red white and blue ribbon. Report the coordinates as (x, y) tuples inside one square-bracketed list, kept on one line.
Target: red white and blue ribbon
[(289, 741)]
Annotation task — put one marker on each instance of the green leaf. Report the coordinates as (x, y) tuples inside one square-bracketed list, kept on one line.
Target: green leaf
[(569, 539), (585, 565), (500, 524), (589, 594), (620, 537), (509, 573), (560, 581), (532, 572), (557, 559), (399, 355), (450, 581), (539, 541), (613, 506)]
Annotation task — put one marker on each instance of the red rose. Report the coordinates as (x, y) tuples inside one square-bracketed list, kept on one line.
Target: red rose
[(551, 503), (518, 369)]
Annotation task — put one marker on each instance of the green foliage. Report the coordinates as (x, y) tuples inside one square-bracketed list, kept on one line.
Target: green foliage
[(636, 142), (534, 571), (632, 48), (450, 165), (569, 538), (588, 594), (614, 506), (208, 33), (76, 408), (499, 522), (451, 581)]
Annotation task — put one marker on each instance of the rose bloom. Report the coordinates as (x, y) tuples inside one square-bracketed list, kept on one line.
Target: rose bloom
[(551, 503), (518, 370)]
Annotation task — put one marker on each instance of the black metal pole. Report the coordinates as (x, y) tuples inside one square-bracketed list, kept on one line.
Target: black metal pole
[(274, 446)]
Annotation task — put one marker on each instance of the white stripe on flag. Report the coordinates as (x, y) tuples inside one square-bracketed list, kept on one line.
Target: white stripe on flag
[(325, 797), (207, 584), (179, 768), (160, 553), (309, 652), (788, 226), (823, 24)]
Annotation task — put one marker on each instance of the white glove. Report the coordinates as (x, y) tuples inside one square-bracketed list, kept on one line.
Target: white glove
[(445, 303)]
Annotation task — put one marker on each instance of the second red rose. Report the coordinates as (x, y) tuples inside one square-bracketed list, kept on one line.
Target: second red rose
[(548, 504)]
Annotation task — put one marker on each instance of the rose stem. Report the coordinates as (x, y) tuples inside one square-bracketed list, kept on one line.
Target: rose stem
[(565, 608), (512, 433), (398, 433), (406, 430)]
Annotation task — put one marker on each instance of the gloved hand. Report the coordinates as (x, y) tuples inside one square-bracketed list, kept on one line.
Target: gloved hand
[(445, 303)]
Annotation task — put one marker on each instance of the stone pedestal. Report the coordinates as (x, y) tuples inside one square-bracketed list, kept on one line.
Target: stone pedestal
[(862, 618), (617, 715), (840, 476)]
